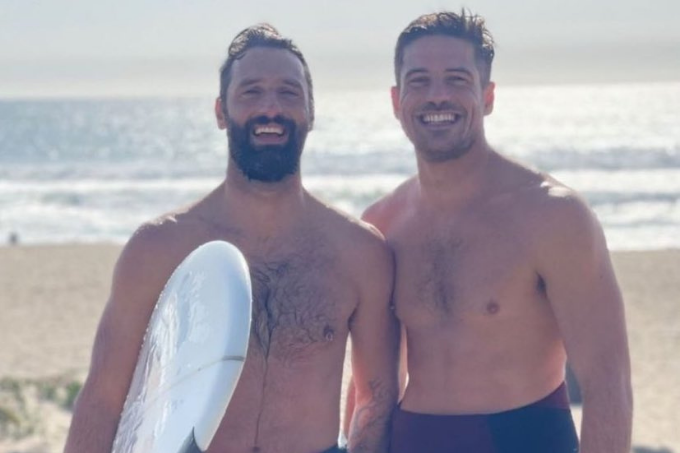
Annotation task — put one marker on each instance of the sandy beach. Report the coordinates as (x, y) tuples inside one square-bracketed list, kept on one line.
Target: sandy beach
[(51, 298)]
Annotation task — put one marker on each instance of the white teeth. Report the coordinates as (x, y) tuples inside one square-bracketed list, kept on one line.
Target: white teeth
[(268, 130), (439, 118)]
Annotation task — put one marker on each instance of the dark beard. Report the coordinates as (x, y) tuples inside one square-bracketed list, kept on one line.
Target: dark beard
[(270, 163)]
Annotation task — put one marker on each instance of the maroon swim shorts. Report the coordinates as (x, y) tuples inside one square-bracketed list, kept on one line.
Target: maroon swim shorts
[(544, 426)]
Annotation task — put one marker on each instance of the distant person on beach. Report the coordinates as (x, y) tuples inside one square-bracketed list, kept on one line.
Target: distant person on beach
[(318, 276), (502, 273)]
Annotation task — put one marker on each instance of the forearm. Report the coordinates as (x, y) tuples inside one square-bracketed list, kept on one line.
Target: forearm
[(92, 430), (607, 421), (370, 425)]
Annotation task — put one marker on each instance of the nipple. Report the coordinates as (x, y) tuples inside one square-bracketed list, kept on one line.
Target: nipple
[(328, 333), (492, 307)]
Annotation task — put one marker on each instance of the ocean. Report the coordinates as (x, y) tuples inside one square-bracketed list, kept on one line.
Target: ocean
[(91, 170)]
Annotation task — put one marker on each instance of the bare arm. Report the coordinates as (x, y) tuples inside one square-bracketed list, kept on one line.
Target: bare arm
[(351, 391), (585, 298), (374, 333), (135, 287)]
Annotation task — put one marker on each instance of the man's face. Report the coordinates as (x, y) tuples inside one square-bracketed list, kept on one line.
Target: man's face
[(440, 100), (267, 114)]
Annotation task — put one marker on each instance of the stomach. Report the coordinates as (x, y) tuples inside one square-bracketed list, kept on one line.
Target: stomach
[(282, 407), (477, 377), (284, 430)]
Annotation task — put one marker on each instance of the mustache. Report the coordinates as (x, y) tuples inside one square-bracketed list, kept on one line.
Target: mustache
[(278, 119)]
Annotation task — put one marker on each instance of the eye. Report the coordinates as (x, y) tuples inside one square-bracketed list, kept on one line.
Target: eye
[(457, 79), (418, 81), (251, 92), (289, 93)]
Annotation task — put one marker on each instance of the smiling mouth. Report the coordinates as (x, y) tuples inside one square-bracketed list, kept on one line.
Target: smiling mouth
[(269, 130), (439, 119), (269, 134)]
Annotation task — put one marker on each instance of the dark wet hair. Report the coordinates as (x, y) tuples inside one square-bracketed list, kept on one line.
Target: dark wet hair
[(261, 35), (466, 26)]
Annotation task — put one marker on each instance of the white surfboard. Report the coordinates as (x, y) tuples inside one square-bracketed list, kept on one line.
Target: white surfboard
[(191, 357)]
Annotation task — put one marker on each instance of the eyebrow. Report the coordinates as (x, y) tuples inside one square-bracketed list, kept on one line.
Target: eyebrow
[(293, 83), (290, 82), (425, 71), (247, 82), (460, 69), (415, 71)]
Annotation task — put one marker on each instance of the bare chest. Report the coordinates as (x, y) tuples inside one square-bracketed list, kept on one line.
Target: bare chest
[(300, 306), (452, 274), (303, 295)]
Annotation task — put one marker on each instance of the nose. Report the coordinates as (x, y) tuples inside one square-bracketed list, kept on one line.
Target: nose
[(438, 93), (270, 105)]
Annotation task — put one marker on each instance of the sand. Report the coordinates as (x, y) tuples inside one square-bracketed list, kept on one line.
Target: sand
[(51, 298)]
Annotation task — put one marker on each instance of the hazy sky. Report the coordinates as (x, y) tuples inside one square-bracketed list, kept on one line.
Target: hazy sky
[(161, 47)]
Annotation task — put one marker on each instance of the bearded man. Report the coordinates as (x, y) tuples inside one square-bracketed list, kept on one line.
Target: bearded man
[(318, 276)]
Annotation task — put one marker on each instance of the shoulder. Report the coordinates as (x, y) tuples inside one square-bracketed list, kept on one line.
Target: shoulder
[(548, 214), (154, 238), (383, 212), (548, 204), (562, 208), (565, 226), (151, 254), (138, 259)]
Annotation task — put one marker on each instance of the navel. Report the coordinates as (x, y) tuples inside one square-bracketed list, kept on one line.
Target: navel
[(492, 307)]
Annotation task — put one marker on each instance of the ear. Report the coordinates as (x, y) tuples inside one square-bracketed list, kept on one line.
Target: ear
[(220, 114), (394, 91), (489, 97)]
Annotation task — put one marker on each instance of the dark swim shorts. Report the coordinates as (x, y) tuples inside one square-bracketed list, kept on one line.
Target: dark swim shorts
[(190, 446), (545, 426)]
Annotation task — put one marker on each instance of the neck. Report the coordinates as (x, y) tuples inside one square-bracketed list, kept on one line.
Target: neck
[(272, 193), (454, 181), (263, 208)]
